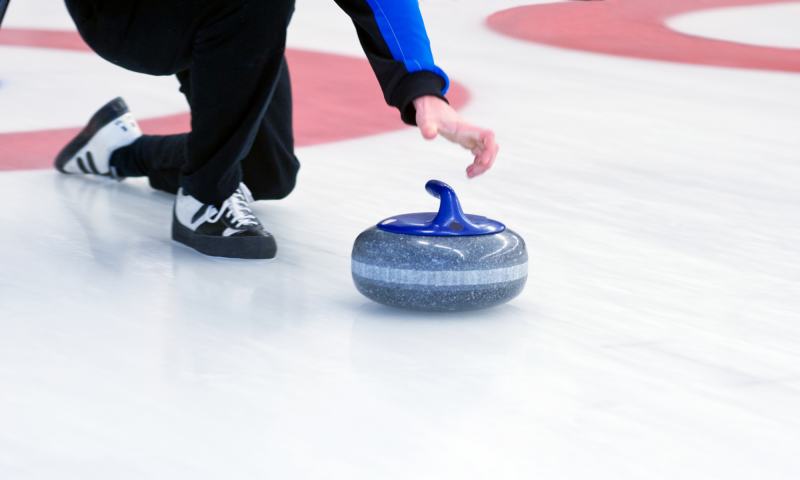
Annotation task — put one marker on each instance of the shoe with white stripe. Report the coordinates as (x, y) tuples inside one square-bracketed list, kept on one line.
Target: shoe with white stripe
[(110, 128), (231, 231)]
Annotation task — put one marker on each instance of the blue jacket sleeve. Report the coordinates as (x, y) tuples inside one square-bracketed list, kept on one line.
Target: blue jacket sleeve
[(394, 39), (3, 7)]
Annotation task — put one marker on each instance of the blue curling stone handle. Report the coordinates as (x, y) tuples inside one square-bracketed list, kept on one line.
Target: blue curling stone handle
[(449, 221)]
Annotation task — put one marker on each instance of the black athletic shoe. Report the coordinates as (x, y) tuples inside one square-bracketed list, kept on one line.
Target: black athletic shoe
[(231, 231), (112, 127)]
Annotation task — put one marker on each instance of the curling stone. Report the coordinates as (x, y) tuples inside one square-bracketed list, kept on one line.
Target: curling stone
[(445, 261)]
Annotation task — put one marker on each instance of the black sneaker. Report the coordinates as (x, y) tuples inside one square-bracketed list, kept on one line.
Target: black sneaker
[(231, 231), (112, 127)]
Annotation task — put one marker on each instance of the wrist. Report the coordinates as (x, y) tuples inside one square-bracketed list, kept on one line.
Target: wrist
[(412, 86), (425, 100)]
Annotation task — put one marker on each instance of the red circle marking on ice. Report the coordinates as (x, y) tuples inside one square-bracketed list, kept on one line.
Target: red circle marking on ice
[(636, 28), (336, 97)]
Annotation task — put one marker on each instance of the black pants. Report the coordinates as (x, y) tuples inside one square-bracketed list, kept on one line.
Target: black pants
[(229, 58)]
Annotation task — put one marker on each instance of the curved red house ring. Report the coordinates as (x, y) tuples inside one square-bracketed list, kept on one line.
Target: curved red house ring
[(336, 97), (636, 28)]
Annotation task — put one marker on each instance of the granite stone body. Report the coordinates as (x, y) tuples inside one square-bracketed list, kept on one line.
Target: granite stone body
[(438, 273)]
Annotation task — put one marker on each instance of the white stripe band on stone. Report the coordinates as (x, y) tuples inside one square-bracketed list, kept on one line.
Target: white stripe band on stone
[(440, 278)]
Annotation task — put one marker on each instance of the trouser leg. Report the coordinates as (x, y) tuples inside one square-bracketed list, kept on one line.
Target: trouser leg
[(235, 69), (158, 157), (269, 169), (235, 66)]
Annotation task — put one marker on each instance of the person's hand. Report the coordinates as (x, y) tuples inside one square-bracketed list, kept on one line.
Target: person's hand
[(435, 116)]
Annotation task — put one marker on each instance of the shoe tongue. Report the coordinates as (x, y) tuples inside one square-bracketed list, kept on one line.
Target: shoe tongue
[(245, 193)]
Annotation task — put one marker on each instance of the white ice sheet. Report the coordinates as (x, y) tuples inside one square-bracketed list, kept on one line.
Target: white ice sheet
[(771, 25), (658, 337)]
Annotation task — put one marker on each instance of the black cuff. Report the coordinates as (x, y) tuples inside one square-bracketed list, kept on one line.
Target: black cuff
[(413, 86)]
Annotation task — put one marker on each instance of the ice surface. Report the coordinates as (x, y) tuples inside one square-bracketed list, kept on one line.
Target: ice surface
[(772, 25), (658, 336), (38, 14), (47, 88)]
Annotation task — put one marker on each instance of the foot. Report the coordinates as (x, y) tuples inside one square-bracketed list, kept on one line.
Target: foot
[(112, 127), (231, 231)]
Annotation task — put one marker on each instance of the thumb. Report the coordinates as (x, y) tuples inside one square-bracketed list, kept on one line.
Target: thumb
[(428, 130)]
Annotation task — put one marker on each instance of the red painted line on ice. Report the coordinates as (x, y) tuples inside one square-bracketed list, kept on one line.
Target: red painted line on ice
[(636, 28), (61, 40), (336, 97)]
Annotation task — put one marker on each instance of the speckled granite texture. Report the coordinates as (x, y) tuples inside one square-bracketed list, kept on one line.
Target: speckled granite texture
[(439, 273)]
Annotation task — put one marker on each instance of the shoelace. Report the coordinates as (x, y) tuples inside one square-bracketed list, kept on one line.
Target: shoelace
[(237, 209)]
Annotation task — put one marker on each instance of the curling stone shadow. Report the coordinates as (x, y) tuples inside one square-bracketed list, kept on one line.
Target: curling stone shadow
[(444, 359), (117, 218)]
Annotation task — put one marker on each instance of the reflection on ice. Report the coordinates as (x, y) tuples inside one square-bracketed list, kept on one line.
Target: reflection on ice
[(442, 360)]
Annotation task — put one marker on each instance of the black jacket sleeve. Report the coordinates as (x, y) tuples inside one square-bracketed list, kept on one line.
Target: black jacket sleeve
[(394, 39)]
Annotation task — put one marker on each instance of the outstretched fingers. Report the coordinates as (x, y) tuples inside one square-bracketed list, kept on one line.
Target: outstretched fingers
[(485, 149), (436, 117), (490, 148)]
